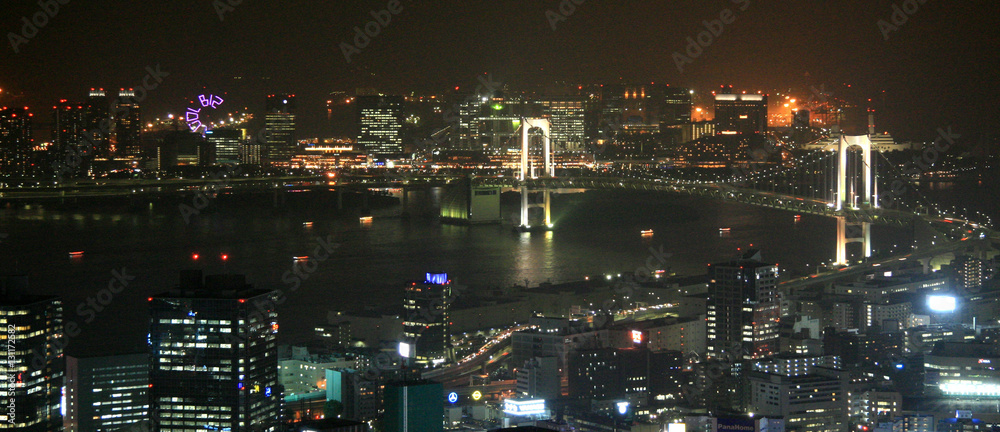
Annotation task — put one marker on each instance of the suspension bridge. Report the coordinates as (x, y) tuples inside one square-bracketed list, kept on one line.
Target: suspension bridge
[(841, 180)]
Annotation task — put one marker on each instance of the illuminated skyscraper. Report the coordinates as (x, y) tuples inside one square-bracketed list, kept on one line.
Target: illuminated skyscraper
[(740, 114), (426, 320), (98, 122), (567, 117), (380, 119), (15, 142), (128, 125), (68, 127), (676, 108), (743, 308), (33, 372), (107, 393), (225, 145), (279, 122), (213, 356)]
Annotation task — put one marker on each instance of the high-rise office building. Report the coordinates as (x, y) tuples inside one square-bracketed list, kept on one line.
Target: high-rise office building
[(635, 374), (567, 117), (225, 144), (743, 308), (16, 142), (426, 320), (676, 108), (740, 114), (279, 122), (380, 119), (815, 402), (98, 121), (33, 372), (68, 128), (213, 356), (465, 133), (414, 406), (106, 393), (128, 125)]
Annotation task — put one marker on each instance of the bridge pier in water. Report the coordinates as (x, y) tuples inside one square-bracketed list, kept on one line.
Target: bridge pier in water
[(527, 169)]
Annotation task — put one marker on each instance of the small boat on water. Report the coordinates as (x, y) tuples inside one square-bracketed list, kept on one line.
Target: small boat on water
[(76, 254), (648, 232), (724, 229), (366, 218), (300, 258), (308, 224)]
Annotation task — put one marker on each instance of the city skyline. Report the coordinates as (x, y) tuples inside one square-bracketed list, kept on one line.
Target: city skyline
[(566, 215), (934, 64)]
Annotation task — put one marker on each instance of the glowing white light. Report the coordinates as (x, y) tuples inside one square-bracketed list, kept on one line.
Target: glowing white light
[(940, 303)]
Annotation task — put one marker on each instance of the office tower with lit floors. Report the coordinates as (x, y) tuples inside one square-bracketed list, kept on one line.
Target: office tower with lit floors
[(214, 357), (425, 319), (106, 393), (279, 123), (740, 114), (743, 308), (16, 142), (676, 108), (68, 129), (128, 125), (743, 312), (380, 119), (98, 121), (33, 372), (567, 116), (225, 145)]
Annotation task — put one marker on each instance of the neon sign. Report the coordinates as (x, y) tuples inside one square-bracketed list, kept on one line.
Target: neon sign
[(193, 116), (636, 336), (452, 397)]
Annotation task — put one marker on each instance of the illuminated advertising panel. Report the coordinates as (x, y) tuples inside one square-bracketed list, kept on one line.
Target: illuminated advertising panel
[(524, 407)]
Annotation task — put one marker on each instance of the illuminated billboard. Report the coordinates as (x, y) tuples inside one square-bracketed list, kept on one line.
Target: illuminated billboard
[(524, 407), (436, 279), (636, 336), (404, 350), (941, 303)]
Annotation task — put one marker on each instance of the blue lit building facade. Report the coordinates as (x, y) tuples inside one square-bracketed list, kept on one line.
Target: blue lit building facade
[(426, 321)]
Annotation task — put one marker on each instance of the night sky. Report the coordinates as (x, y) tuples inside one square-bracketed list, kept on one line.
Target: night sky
[(939, 69)]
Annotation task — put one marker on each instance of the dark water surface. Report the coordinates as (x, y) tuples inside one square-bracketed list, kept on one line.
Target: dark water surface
[(595, 232)]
